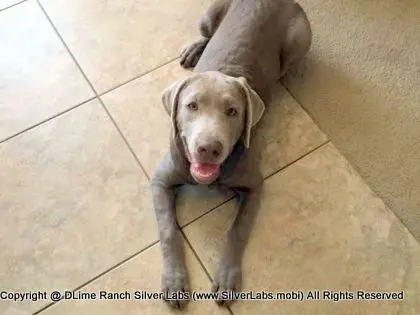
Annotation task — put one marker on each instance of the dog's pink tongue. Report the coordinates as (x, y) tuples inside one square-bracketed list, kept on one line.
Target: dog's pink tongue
[(205, 171)]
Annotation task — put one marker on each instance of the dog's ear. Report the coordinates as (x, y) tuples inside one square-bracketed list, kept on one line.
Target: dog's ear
[(254, 109), (170, 98)]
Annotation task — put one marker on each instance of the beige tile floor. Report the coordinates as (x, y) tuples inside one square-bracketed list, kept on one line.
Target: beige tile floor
[(81, 129)]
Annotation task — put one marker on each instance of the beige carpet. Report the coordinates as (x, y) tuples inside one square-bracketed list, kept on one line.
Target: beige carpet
[(361, 84)]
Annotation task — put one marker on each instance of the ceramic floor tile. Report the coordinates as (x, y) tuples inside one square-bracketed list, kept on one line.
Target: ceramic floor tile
[(286, 131), (142, 273), (74, 202), (360, 84), (320, 228), (38, 78), (139, 112), (116, 40), (194, 201)]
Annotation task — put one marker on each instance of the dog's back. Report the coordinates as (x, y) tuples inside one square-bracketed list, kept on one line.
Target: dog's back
[(248, 42)]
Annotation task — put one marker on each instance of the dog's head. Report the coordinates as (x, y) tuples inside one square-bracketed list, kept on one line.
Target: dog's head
[(211, 112)]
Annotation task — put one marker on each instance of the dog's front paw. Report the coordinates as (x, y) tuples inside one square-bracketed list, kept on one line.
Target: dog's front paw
[(227, 281), (175, 288), (192, 53)]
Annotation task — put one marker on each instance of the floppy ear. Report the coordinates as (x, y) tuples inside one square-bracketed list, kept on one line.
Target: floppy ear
[(254, 109), (170, 100)]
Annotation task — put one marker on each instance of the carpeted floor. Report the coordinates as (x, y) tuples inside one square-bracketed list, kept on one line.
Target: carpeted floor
[(361, 84)]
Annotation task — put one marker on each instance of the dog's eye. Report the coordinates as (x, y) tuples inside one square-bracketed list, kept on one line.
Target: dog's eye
[(193, 106), (231, 111)]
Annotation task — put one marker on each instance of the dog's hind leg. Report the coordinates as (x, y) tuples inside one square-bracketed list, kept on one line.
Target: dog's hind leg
[(297, 40), (209, 23)]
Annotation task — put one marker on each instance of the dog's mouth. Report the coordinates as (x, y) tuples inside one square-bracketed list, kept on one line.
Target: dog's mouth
[(203, 173)]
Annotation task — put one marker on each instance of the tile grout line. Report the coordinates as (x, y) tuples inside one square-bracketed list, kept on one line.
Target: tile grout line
[(298, 159), (216, 207), (205, 213), (138, 76), (196, 255), (12, 5), (124, 139), (47, 119), (184, 236), (98, 96), (265, 178), (201, 263), (303, 107), (66, 47), (93, 88), (354, 166), (101, 274)]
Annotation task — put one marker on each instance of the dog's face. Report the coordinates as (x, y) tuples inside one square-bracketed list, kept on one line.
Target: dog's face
[(210, 112), (210, 120)]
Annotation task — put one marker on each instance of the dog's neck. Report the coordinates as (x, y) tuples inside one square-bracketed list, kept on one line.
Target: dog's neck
[(178, 153), (229, 165)]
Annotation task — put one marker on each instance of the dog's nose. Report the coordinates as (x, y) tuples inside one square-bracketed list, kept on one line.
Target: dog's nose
[(210, 150)]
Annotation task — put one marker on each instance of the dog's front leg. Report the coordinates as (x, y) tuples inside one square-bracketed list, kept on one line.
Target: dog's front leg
[(209, 23), (174, 278), (228, 277)]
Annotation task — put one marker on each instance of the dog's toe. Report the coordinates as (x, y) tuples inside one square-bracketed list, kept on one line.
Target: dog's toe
[(226, 282), (192, 53), (175, 289)]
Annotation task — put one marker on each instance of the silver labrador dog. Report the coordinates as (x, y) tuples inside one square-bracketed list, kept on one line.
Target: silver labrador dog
[(246, 46)]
